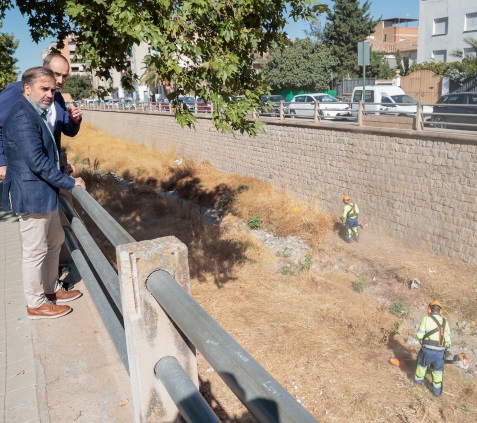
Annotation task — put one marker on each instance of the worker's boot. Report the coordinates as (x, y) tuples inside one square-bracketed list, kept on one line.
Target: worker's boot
[(356, 237), (349, 240)]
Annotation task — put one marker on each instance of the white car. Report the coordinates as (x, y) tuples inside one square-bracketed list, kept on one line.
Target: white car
[(329, 107)]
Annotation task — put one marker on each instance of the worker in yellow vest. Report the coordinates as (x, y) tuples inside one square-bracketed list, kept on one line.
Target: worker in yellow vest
[(434, 336), (350, 218)]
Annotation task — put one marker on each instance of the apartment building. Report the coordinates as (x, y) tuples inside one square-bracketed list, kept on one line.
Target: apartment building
[(443, 25), (135, 62)]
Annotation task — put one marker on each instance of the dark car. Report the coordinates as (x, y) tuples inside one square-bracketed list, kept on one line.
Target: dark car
[(270, 105), (456, 110), (189, 102)]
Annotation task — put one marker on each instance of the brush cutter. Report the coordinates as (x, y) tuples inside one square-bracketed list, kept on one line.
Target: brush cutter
[(460, 360)]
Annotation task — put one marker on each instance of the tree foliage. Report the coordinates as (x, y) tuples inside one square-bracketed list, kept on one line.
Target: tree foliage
[(379, 66), (8, 70), (348, 24), (207, 46), (151, 75), (302, 65), (78, 86)]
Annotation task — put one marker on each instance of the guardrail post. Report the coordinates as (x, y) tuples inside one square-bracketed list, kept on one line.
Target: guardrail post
[(282, 110), (360, 113), (418, 118), (150, 335)]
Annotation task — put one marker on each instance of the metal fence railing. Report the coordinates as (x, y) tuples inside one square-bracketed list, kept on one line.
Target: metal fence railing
[(461, 117), (261, 394)]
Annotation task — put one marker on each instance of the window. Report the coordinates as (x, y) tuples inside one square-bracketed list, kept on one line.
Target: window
[(357, 96), (440, 26), (439, 55), (470, 52), (470, 22), (455, 99)]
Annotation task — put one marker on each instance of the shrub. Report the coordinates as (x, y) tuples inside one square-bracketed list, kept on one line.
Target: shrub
[(254, 222), (400, 309), (360, 284)]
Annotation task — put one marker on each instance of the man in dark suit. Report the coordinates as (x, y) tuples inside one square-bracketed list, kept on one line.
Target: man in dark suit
[(31, 189), (61, 119)]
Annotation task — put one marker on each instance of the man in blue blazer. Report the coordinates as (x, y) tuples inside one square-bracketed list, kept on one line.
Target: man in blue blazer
[(31, 189), (61, 119)]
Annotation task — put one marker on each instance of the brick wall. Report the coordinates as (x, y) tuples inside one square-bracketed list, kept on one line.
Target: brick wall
[(418, 186)]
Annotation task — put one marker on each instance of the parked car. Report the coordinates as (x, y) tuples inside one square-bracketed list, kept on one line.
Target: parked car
[(386, 100), (270, 105), (189, 102), (126, 104), (163, 105), (330, 107), (456, 108), (204, 106)]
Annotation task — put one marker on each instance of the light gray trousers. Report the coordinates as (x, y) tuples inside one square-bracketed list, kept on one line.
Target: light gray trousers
[(42, 237)]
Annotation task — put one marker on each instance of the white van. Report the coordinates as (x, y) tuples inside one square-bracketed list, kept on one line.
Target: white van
[(391, 100)]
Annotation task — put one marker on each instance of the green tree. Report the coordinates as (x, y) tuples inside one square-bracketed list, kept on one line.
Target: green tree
[(379, 66), (208, 47), (347, 25), (78, 86), (151, 76), (302, 65), (8, 70)]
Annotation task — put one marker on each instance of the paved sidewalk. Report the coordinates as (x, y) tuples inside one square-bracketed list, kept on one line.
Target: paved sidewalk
[(18, 401), (55, 370)]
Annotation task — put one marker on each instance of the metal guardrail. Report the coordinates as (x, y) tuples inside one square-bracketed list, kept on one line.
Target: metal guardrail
[(263, 396), (426, 118)]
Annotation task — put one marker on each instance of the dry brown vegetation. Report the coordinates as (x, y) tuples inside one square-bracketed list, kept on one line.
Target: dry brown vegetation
[(325, 333)]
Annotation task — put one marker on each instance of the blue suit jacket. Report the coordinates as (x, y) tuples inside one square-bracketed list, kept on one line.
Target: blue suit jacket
[(33, 179), (63, 124)]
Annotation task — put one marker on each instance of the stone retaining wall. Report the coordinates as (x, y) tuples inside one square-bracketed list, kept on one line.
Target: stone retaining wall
[(417, 186)]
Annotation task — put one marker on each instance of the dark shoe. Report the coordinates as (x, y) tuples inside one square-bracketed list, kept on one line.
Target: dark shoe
[(349, 240), (63, 296), (356, 238), (48, 311), (418, 382)]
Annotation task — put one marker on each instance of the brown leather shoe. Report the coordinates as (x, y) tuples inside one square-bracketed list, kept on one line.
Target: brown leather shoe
[(63, 296), (48, 311)]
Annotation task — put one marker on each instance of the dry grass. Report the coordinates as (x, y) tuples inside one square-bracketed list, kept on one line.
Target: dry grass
[(326, 343)]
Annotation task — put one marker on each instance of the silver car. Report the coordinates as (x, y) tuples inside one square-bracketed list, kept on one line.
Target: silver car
[(329, 107)]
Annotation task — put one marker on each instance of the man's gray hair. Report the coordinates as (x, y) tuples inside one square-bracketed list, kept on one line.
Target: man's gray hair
[(49, 57), (31, 75)]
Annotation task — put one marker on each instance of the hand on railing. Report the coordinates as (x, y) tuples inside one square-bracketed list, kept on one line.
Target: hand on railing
[(79, 182)]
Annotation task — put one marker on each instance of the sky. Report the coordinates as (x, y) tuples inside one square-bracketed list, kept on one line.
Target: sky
[(29, 54)]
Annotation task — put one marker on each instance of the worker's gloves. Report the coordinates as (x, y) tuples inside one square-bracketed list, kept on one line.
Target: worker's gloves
[(447, 354), (342, 218)]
